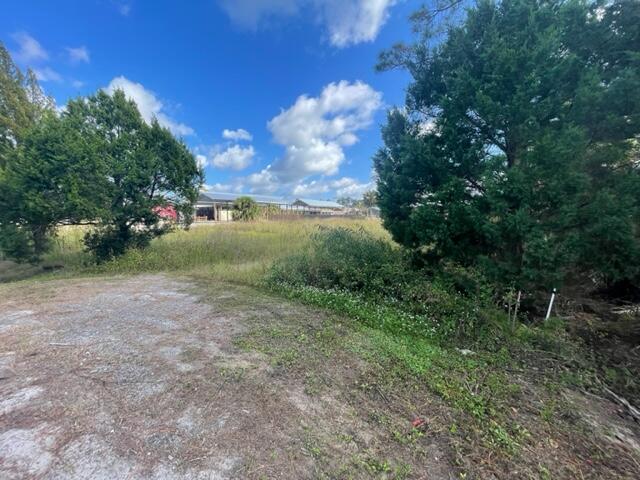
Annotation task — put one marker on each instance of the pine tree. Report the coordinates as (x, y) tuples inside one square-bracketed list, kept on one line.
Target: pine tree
[(22, 103), (517, 151)]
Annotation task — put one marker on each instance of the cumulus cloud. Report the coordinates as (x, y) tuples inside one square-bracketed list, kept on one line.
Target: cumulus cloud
[(315, 130), (350, 187), (239, 134), (315, 187), (78, 54), (234, 157), (47, 74), (347, 22), (354, 21), (201, 160), (263, 181), (148, 104), (342, 187), (219, 187), (30, 49)]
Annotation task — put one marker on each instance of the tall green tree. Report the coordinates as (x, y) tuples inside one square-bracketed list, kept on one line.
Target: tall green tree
[(48, 179), (518, 147), (146, 168), (22, 104), (97, 163)]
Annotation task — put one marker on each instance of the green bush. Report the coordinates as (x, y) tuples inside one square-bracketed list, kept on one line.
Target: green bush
[(339, 260)]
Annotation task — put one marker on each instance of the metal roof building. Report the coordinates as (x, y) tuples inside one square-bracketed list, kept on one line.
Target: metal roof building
[(310, 203), (210, 198), (218, 206)]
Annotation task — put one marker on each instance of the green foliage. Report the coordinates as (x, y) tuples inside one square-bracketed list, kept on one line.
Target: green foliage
[(22, 104), (518, 150), (245, 209), (145, 168), (370, 199), (394, 294), (47, 179), (98, 163)]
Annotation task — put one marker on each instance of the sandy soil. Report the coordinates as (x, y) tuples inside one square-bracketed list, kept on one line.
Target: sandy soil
[(153, 377), (138, 378)]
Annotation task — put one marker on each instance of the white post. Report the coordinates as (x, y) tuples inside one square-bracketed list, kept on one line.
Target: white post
[(553, 297)]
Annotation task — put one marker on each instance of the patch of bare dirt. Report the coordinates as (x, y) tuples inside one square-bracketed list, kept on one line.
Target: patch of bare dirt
[(139, 378), (151, 377)]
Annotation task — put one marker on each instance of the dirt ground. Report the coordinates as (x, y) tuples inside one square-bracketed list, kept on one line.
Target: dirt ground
[(154, 377), (139, 378)]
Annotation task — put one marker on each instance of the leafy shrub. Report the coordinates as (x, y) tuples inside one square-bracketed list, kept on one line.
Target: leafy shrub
[(354, 261)]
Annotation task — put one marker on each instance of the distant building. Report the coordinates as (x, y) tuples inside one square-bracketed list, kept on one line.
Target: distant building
[(319, 207), (218, 206)]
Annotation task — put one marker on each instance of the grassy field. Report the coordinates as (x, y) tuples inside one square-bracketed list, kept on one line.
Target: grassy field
[(236, 252)]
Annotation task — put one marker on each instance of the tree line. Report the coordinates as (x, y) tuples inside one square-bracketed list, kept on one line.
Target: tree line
[(95, 162), (517, 152)]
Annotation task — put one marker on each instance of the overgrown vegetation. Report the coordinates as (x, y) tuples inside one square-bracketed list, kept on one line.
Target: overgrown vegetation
[(444, 329), (238, 252), (413, 343), (451, 303), (515, 166), (517, 151), (98, 162)]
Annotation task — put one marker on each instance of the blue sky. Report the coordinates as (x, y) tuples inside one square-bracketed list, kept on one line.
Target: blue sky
[(273, 96)]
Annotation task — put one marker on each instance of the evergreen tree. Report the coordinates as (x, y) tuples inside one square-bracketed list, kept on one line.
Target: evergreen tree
[(49, 179), (145, 166), (98, 163), (518, 148), (22, 104)]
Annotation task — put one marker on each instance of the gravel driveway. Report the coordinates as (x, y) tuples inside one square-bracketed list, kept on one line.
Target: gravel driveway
[(137, 377)]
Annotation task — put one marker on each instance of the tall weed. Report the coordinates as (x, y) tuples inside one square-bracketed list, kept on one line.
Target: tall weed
[(379, 272)]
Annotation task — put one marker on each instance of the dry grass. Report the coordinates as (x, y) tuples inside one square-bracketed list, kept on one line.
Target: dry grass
[(236, 252)]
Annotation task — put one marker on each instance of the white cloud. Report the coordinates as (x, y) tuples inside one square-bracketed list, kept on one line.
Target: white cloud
[(350, 187), (342, 187), (263, 181), (219, 187), (427, 126), (148, 104), (354, 21), (348, 22), (201, 160), (47, 74), (234, 157), (239, 134), (315, 130), (78, 54), (77, 83), (30, 49), (314, 187)]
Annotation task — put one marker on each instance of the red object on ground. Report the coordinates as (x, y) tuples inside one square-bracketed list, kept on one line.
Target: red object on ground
[(168, 212), (418, 422)]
